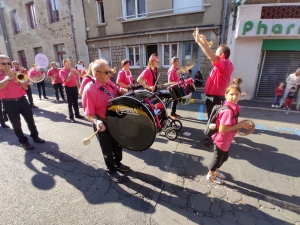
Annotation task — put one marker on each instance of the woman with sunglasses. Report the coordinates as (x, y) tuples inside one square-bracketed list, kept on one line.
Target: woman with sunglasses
[(148, 78), (125, 78)]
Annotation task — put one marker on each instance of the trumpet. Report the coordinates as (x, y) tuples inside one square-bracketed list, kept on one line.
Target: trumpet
[(208, 43), (22, 77)]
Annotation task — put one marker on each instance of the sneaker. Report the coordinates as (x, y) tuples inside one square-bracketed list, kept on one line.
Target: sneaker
[(115, 176), (273, 106), (46, 98), (123, 168), (39, 140), (173, 117), (26, 146), (34, 106), (4, 125), (80, 117), (72, 120), (208, 146), (276, 106)]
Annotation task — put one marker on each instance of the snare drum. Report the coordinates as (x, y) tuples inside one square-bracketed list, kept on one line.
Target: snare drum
[(182, 89), (134, 119)]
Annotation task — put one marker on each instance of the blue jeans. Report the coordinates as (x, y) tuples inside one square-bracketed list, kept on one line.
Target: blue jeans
[(277, 100)]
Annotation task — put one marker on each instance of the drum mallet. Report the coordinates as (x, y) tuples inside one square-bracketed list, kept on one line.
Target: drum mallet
[(87, 141)]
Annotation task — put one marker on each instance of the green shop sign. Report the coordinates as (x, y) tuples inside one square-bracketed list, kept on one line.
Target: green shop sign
[(269, 27)]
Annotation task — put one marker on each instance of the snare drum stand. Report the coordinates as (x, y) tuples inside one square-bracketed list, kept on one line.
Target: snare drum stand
[(171, 126)]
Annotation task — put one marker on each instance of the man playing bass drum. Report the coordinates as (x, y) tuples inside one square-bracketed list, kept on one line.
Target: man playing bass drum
[(95, 97)]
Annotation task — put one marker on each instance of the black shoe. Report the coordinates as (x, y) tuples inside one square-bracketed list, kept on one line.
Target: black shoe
[(123, 168), (115, 176), (4, 125), (39, 140), (72, 120), (208, 146), (27, 146), (80, 117), (34, 106), (46, 98), (5, 117), (208, 140)]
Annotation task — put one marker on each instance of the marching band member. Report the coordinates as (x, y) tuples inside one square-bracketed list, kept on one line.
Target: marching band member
[(95, 99), (125, 78), (86, 79), (15, 104), (56, 81), (34, 72), (174, 77), (69, 79), (81, 72), (149, 77), (16, 67)]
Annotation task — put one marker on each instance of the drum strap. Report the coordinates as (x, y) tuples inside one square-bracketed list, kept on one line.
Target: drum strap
[(106, 92)]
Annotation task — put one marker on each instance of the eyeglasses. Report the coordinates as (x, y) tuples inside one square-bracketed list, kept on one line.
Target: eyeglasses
[(8, 63), (157, 61), (107, 72)]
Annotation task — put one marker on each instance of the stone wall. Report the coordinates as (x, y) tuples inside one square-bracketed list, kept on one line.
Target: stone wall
[(46, 35)]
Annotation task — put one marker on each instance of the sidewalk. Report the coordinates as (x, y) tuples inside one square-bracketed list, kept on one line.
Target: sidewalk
[(246, 104)]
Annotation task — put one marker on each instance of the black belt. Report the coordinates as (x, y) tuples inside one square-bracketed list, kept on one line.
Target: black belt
[(12, 99), (70, 87)]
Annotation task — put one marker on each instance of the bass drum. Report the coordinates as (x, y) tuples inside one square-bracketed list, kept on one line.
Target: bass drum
[(134, 119)]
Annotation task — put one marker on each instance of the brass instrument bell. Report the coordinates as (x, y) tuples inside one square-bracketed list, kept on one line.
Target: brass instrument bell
[(22, 77)]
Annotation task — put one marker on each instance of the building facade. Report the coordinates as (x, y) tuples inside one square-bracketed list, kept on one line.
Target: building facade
[(265, 46), (53, 27), (134, 29)]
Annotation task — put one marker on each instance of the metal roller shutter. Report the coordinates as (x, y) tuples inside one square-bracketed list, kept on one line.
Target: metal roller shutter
[(277, 66)]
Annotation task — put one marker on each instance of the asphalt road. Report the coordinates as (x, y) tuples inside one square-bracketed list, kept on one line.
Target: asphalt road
[(64, 182)]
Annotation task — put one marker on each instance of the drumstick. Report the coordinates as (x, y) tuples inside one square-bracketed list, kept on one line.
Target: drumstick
[(156, 81), (86, 141)]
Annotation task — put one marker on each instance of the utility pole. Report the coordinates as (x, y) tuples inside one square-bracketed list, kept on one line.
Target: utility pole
[(5, 35)]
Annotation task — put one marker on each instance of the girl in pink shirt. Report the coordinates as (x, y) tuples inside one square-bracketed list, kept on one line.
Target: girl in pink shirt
[(86, 78), (125, 78), (227, 124)]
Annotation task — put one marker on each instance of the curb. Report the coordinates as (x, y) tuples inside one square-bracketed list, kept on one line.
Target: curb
[(199, 101)]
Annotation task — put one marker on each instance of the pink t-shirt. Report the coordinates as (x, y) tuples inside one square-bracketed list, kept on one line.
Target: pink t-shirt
[(95, 101), (33, 73), (12, 89), (124, 77), (223, 140), (63, 73), (85, 80), (51, 72), (147, 76), (172, 75), (219, 78)]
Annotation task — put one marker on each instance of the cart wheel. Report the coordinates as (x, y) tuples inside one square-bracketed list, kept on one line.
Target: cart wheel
[(171, 134), (176, 125)]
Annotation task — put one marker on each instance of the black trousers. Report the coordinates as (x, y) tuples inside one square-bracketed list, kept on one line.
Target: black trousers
[(174, 106), (29, 95), (111, 150), (72, 98), (59, 87), (210, 104), (41, 85), (1, 114), (219, 157), (16, 108)]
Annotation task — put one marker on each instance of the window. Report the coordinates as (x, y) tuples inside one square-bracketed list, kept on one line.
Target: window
[(105, 53), (148, 50), (60, 53), (15, 22), (53, 8), (100, 11), (169, 51), (133, 54), (134, 8), (187, 5), (38, 50), (32, 15), (22, 59)]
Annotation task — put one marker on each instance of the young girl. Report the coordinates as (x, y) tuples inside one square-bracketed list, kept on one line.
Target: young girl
[(238, 81), (227, 124), (278, 95)]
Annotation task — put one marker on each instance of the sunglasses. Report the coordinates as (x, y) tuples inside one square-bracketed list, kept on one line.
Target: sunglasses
[(8, 63), (107, 72)]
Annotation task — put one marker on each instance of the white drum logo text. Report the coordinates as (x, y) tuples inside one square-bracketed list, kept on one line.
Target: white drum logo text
[(121, 109)]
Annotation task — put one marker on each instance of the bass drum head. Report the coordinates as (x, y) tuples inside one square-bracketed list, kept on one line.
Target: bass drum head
[(130, 122)]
